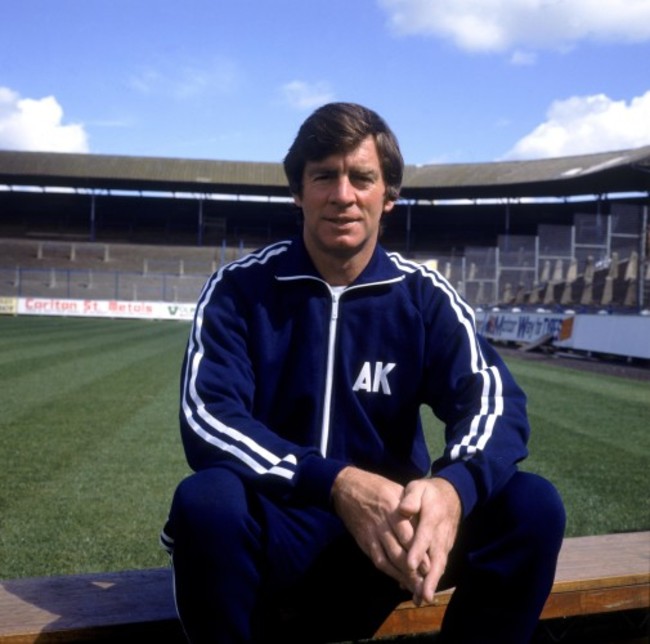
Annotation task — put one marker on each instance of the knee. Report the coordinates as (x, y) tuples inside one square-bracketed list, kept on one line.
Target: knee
[(209, 502), (536, 509)]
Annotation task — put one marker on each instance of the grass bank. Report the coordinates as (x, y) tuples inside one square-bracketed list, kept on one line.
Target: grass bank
[(90, 449)]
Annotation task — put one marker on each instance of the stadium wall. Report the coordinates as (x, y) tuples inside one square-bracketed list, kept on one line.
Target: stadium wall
[(626, 336), (61, 307)]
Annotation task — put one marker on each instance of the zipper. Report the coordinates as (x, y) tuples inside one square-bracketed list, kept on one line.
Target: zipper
[(329, 374), (331, 342)]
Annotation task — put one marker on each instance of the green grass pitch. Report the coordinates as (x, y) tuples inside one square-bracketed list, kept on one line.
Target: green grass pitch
[(90, 451)]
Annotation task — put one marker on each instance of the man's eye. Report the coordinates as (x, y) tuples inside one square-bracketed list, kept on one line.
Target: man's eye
[(362, 180)]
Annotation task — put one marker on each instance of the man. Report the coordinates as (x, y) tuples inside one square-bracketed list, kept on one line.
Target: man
[(313, 490)]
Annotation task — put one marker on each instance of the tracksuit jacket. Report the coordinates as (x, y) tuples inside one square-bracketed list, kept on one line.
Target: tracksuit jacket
[(287, 381)]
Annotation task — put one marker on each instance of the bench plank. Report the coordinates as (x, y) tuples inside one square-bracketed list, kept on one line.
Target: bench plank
[(596, 574), (95, 606)]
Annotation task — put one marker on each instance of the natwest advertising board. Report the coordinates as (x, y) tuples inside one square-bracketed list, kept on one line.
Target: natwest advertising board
[(519, 326), (618, 335), (104, 308)]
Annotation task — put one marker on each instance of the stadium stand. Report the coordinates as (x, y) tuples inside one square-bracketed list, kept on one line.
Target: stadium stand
[(553, 233), (33, 268), (486, 276), (506, 229)]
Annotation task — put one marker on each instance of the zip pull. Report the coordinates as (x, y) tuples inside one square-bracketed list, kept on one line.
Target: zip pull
[(336, 293), (335, 306)]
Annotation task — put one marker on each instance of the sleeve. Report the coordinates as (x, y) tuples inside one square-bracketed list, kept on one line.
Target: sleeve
[(217, 397), (483, 409)]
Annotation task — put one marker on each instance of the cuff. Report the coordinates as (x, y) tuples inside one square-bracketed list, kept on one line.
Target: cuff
[(315, 479)]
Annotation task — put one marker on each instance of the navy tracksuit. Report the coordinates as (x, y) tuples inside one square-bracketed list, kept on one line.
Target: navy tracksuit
[(285, 382)]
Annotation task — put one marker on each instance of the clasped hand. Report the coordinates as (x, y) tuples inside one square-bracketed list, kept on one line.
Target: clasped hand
[(407, 531)]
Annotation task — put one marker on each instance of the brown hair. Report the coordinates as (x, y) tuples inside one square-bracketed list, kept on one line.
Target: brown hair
[(338, 128)]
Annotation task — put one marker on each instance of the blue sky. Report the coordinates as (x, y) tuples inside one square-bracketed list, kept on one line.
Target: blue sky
[(458, 80)]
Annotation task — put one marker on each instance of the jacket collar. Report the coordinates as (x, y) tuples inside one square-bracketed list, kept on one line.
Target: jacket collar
[(296, 263)]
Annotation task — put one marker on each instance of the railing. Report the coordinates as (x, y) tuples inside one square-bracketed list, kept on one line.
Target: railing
[(100, 285)]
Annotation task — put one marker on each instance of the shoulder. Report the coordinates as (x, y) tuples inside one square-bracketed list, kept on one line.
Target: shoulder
[(431, 290), (262, 257), (421, 275), (255, 263), (245, 277)]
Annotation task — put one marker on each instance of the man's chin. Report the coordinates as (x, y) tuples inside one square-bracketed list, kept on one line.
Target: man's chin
[(344, 246)]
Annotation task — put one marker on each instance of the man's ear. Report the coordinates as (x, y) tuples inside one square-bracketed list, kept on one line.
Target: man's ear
[(296, 199), (388, 206)]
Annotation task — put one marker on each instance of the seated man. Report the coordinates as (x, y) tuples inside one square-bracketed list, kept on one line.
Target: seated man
[(315, 507)]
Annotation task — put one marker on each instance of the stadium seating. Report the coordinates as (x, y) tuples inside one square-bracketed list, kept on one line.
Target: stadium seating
[(564, 266)]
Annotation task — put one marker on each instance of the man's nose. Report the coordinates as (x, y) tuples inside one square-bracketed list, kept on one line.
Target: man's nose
[(342, 190)]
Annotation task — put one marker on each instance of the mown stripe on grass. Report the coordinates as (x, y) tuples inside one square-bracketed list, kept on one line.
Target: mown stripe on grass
[(590, 437), (614, 411), (90, 450)]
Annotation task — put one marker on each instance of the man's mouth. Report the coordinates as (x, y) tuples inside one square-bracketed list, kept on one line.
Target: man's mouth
[(341, 221)]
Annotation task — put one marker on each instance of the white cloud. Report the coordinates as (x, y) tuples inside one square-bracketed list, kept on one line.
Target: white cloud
[(188, 79), (523, 58), (586, 124), (306, 96), (506, 25), (37, 125)]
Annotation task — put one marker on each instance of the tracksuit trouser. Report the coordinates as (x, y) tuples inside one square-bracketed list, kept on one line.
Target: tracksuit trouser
[(249, 570)]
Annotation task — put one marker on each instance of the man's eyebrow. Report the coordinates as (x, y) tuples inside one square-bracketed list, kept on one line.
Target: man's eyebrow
[(316, 167), (319, 168), (364, 172)]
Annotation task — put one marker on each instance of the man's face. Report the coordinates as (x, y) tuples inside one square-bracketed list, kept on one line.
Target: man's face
[(343, 199)]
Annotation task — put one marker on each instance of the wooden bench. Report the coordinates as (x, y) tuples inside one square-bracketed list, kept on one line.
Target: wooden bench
[(596, 574)]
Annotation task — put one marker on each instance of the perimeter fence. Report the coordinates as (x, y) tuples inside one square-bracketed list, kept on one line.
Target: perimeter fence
[(599, 261), (78, 270)]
